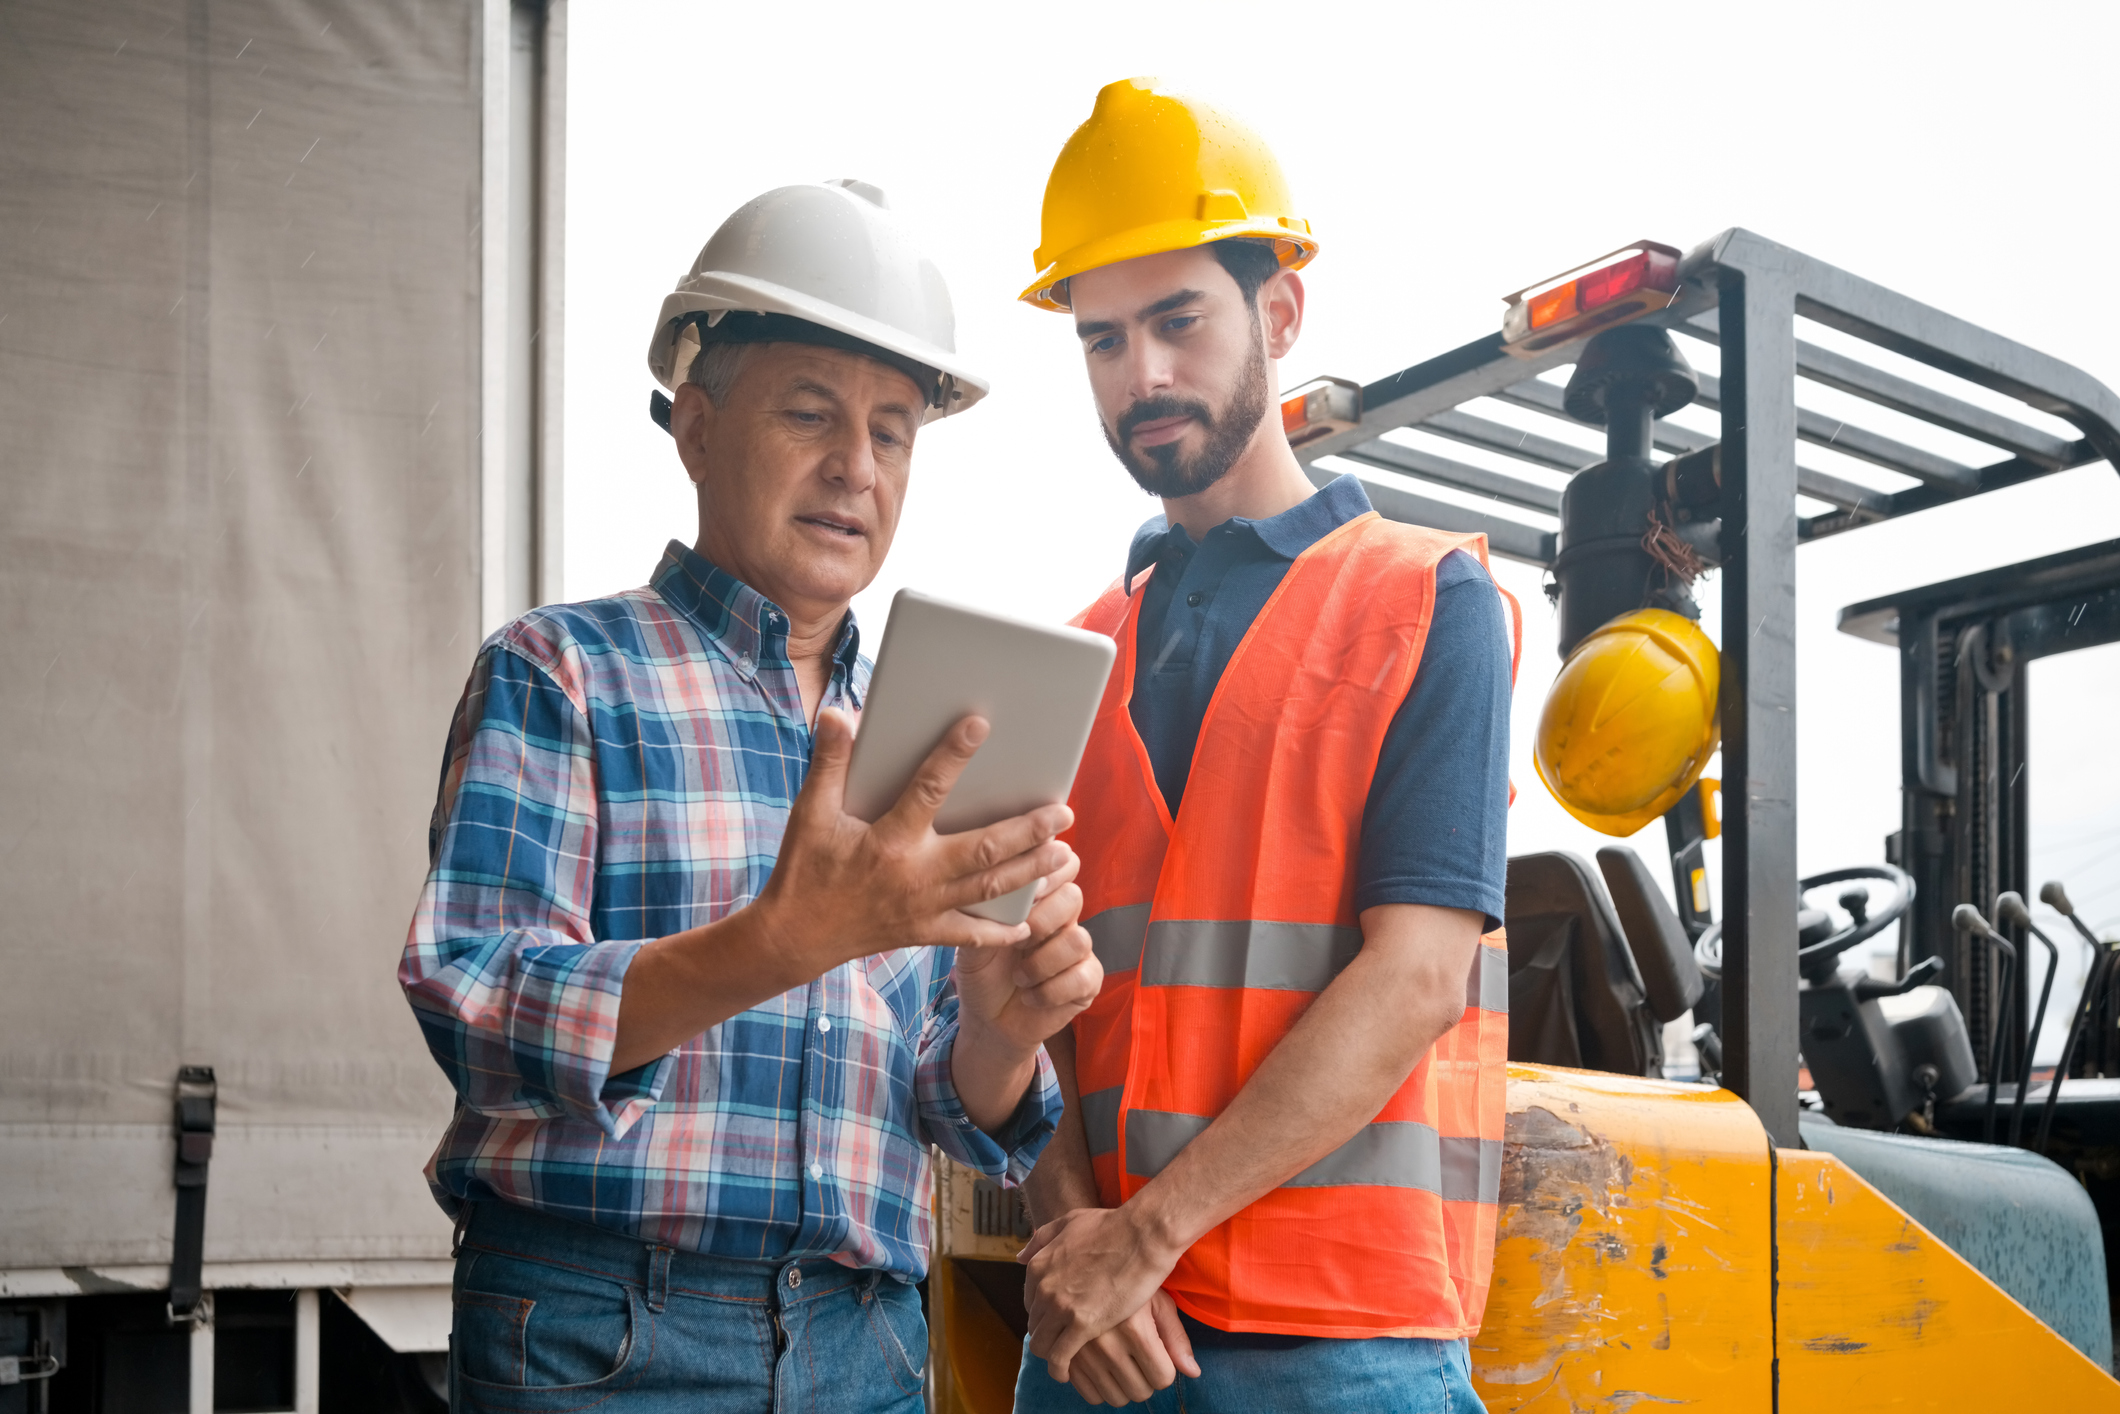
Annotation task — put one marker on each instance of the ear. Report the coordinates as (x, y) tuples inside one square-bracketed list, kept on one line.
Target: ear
[(1281, 311), (692, 416)]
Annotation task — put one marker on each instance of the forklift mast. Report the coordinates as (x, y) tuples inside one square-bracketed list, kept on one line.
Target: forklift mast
[(1963, 649), (1744, 294)]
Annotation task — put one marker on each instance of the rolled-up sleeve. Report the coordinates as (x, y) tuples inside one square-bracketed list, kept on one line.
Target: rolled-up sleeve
[(1006, 1157), (517, 999)]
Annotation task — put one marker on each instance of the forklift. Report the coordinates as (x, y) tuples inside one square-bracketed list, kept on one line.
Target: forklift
[(1928, 1224)]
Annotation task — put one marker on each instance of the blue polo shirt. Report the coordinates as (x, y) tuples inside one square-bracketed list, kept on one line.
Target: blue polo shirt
[(1435, 827)]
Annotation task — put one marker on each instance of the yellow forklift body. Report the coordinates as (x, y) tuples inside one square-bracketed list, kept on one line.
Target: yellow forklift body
[(1875, 1313), (1654, 1248), (1635, 1243)]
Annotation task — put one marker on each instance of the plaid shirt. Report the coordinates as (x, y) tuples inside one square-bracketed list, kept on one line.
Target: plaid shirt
[(620, 770)]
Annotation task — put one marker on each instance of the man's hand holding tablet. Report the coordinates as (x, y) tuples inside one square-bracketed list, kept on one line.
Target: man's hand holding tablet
[(844, 888)]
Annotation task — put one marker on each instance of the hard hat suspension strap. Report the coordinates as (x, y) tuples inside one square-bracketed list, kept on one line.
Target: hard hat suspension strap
[(744, 326)]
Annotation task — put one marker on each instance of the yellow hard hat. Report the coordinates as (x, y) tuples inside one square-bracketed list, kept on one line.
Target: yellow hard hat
[(1149, 172), (1630, 722)]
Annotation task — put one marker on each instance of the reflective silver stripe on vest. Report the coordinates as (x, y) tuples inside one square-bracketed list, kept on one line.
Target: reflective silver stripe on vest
[(1387, 1154), (1100, 1117), (1487, 984), (1116, 935), (1472, 1170), (1281, 957), (1154, 1137)]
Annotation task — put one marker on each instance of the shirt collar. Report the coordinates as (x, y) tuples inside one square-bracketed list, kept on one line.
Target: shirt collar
[(1288, 534), (749, 629)]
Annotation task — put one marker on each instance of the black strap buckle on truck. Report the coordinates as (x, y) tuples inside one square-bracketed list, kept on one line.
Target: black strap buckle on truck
[(195, 1118)]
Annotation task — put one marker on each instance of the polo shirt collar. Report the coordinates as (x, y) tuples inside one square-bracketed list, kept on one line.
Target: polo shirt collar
[(747, 628), (1288, 534)]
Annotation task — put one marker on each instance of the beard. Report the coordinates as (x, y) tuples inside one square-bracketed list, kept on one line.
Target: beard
[(1164, 470)]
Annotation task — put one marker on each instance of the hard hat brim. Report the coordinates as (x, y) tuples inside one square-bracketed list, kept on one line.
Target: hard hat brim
[(1622, 825), (960, 387), (1297, 247)]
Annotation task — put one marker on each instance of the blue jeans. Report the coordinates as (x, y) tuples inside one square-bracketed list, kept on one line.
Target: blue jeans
[(558, 1315), (1385, 1375)]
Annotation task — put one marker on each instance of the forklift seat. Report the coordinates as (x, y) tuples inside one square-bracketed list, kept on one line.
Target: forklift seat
[(1575, 994)]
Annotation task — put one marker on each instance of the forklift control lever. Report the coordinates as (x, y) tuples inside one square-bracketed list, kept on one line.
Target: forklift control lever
[(1920, 974)]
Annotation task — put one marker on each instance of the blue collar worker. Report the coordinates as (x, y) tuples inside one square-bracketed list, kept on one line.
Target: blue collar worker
[(703, 1025)]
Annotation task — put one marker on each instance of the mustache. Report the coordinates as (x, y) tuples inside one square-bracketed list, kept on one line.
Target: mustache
[(1156, 409)]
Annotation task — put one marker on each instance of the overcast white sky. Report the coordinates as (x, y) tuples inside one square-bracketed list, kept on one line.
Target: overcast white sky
[(1444, 155)]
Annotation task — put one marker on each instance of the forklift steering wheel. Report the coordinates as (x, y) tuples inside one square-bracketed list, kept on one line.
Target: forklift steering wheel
[(1866, 925)]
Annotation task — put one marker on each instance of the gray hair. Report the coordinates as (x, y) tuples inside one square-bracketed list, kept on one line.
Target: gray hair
[(717, 366)]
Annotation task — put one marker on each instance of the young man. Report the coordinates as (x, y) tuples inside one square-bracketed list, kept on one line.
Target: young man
[(703, 1025), (1275, 1185)]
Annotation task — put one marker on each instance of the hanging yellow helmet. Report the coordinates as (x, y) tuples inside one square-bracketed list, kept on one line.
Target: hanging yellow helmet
[(1630, 722), (1150, 172)]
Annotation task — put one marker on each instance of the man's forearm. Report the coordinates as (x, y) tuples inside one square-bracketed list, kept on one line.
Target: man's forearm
[(679, 986), (1063, 1179), (1327, 1078)]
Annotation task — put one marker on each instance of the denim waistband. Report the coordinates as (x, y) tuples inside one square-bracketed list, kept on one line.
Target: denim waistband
[(507, 1230)]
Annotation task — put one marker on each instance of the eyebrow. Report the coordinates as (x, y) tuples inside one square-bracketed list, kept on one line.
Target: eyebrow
[(831, 395), (1164, 305), (808, 385)]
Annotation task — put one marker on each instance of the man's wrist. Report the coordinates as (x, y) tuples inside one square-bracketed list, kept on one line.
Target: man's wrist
[(779, 936), (1160, 1228), (985, 1048)]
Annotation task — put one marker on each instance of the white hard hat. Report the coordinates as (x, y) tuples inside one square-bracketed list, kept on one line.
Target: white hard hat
[(832, 256)]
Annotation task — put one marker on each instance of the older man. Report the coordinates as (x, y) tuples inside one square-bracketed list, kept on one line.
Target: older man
[(703, 1024)]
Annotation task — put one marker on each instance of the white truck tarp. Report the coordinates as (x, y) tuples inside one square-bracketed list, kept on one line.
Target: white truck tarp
[(240, 373)]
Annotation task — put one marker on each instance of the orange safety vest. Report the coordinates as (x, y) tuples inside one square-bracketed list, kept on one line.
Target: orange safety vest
[(1217, 930)]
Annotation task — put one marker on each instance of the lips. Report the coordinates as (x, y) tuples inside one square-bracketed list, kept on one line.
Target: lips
[(845, 526), (1163, 429)]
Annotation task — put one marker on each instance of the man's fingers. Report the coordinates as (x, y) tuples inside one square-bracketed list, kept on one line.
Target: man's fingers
[(1071, 1338), (956, 929), (1057, 1365), (1050, 954), (1164, 1312), (971, 852), (1059, 900), (1093, 1378), (1143, 1344), (1003, 878), (1040, 1240), (1117, 1350), (1070, 991), (931, 784)]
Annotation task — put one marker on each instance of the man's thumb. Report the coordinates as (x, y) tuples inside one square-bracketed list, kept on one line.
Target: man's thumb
[(832, 749)]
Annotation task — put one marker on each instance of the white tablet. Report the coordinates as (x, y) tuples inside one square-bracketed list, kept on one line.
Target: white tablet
[(1037, 686)]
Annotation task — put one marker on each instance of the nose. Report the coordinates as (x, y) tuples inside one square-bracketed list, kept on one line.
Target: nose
[(850, 460), (1149, 368)]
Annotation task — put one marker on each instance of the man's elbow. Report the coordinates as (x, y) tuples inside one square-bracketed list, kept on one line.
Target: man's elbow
[(1425, 954), (1439, 1004)]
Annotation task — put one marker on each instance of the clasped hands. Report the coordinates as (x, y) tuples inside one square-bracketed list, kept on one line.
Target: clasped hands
[(1099, 1316)]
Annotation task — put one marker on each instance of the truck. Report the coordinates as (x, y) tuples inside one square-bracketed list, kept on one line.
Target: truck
[(281, 336)]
